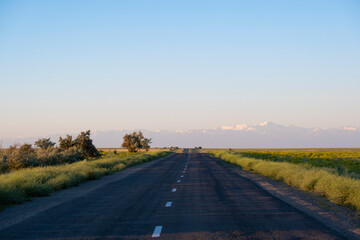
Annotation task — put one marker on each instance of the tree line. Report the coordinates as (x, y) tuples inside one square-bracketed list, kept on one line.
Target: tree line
[(68, 150)]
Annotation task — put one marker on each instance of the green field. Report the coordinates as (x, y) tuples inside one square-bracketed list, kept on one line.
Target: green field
[(345, 161), (333, 174)]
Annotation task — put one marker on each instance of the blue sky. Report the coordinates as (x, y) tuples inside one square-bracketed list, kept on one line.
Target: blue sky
[(67, 66)]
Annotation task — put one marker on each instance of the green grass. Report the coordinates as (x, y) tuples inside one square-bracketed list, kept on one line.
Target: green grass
[(22, 185), (343, 161), (343, 190)]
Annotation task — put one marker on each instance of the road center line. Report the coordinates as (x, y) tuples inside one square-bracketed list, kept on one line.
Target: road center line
[(157, 231), (173, 190), (178, 180), (182, 175), (168, 204)]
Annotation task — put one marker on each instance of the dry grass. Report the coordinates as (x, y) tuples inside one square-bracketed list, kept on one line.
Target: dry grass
[(341, 190), (125, 150), (22, 185)]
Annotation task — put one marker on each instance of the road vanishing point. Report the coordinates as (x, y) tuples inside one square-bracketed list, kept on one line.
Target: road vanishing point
[(182, 196)]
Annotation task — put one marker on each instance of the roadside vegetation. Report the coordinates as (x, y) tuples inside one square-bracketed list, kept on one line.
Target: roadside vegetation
[(322, 180), (178, 150), (47, 154), (136, 141), (24, 184), (27, 171), (344, 162)]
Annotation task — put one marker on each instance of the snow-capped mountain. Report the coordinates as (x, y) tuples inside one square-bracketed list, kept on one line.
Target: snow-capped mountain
[(263, 135)]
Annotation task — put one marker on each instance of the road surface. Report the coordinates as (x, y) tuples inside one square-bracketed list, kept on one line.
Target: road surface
[(184, 196)]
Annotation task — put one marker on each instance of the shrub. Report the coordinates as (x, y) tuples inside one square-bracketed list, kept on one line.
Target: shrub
[(23, 157), (66, 143), (69, 151), (84, 142), (135, 141), (44, 143), (53, 156), (4, 166)]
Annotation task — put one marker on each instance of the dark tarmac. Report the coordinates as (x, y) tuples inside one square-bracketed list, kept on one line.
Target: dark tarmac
[(209, 202)]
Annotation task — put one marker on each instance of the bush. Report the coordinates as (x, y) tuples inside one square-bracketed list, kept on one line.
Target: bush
[(135, 141), (44, 143), (69, 151), (4, 166), (66, 143), (23, 157), (84, 142), (53, 156)]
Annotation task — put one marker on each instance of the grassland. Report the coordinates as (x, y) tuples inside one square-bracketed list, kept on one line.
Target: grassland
[(24, 184), (315, 171), (343, 161)]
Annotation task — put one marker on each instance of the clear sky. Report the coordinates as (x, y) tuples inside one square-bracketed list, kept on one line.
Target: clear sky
[(67, 66)]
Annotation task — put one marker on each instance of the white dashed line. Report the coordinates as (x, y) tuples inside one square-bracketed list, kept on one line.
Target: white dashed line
[(157, 231)]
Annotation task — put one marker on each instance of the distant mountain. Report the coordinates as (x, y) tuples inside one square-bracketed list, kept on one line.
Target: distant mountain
[(263, 135)]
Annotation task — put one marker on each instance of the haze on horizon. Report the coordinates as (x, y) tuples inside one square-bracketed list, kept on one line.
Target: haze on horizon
[(68, 66)]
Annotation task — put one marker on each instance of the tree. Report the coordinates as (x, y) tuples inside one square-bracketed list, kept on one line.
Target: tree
[(21, 157), (135, 141), (44, 143), (26, 149), (84, 142), (66, 143), (146, 144)]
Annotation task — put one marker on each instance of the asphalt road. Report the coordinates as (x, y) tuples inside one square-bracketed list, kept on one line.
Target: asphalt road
[(181, 197)]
